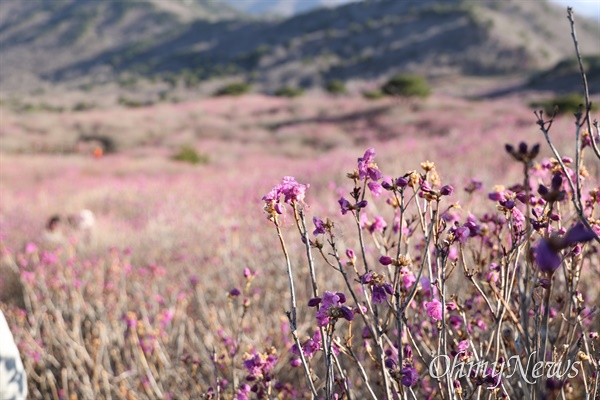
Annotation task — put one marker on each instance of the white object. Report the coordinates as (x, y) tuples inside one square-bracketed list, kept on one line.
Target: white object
[(86, 220), (13, 380)]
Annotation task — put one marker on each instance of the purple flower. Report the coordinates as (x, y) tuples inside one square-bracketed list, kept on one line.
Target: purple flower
[(310, 347), (473, 186), (278, 208), (375, 188), (409, 376), (319, 228), (447, 190), (367, 278), (390, 363), (518, 218), (509, 203), (579, 234), (259, 366), (434, 310), (492, 378), (380, 289), (379, 224), (315, 301), (292, 190), (367, 167), (555, 192), (407, 350), (547, 251), (332, 309), (495, 196), (295, 362), (361, 204), (350, 254), (557, 181), (345, 205), (242, 393), (462, 233), (273, 195), (463, 346), (234, 292), (480, 323), (380, 292), (425, 187), (401, 182), (455, 321), (408, 278), (472, 225), (347, 313), (385, 260)]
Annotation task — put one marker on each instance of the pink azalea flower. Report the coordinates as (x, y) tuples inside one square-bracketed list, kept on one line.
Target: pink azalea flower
[(434, 310), (408, 278)]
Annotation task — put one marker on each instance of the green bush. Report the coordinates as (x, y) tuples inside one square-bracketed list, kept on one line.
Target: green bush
[(567, 104), (373, 94), (83, 106), (406, 85), (234, 89), (336, 86), (189, 154), (288, 91), (132, 103)]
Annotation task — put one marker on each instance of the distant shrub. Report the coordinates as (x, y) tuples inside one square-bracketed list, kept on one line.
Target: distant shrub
[(131, 103), (127, 82), (191, 80), (32, 108), (234, 89), (86, 87), (163, 95), (406, 85), (190, 155), (83, 106), (289, 91), (336, 86), (373, 94), (567, 104)]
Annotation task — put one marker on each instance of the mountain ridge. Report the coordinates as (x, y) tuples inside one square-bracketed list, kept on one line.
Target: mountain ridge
[(76, 43)]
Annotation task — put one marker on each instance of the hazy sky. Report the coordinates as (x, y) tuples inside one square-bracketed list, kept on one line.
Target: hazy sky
[(587, 7)]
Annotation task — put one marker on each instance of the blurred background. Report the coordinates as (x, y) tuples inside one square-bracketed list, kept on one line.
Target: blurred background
[(81, 54), (101, 97)]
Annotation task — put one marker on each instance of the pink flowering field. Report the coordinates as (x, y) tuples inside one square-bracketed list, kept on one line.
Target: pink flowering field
[(327, 248)]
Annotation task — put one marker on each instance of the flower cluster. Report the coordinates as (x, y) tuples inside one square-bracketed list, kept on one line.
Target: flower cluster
[(379, 288), (331, 308), (291, 191)]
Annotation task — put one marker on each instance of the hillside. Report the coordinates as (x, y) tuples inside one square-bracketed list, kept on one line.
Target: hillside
[(282, 7), (77, 43), (565, 76), (38, 38)]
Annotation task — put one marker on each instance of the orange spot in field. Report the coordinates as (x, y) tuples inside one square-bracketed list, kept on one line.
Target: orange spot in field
[(98, 152)]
